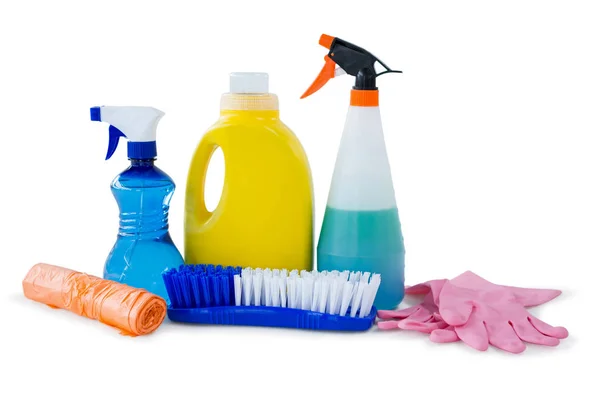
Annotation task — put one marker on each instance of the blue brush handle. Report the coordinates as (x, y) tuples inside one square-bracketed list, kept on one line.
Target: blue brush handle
[(272, 317)]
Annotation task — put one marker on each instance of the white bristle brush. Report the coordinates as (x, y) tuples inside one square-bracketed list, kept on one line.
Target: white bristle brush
[(329, 292)]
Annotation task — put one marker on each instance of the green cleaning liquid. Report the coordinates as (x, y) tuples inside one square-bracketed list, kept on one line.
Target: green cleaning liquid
[(369, 241)]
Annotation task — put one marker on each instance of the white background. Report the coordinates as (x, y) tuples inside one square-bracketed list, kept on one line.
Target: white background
[(492, 134)]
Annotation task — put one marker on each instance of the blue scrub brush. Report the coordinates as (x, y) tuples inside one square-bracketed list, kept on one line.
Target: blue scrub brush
[(329, 300)]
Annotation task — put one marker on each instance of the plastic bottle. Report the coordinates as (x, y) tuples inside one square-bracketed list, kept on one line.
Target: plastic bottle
[(264, 218), (361, 228), (144, 248)]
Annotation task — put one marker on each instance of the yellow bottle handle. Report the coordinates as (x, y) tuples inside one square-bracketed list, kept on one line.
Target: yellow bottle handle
[(195, 204)]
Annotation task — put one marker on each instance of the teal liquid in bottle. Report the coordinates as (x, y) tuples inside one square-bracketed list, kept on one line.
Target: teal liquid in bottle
[(367, 241)]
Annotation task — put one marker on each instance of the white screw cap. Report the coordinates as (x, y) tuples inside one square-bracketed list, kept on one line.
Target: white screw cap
[(249, 82)]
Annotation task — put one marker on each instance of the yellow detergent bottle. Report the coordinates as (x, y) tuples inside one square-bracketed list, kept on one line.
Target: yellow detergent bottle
[(264, 218)]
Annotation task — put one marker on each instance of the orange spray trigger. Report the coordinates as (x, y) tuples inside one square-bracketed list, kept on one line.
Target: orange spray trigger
[(325, 75), (346, 58), (326, 41)]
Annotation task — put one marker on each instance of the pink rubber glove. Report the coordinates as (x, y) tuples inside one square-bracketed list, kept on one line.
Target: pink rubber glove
[(426, 318), (493, 315), (423, 317)]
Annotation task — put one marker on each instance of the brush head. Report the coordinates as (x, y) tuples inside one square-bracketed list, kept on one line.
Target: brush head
[(330, 292)]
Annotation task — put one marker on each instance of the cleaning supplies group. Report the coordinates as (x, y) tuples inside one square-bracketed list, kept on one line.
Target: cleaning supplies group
[(264, 218), (264, 223)]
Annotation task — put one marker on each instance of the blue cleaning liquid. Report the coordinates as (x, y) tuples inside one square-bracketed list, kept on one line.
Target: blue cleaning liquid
[(368, 241), (144, 248)]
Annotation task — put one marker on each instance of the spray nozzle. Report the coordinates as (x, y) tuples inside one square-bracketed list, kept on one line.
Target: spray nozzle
[(136, 124), (345, 57)]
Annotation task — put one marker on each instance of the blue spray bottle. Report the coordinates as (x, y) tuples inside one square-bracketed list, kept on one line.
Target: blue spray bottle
[(144, 249), (361, 228)]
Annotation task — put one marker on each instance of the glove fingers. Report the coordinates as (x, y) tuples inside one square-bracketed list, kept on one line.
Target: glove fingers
[(434, 286), (529, 334), (421, 288), (474, 334), (533, 297), (387, 325), (525, 296), (423, 315), (548, 330), (503, 336), (455, 313), (454, 305), (405, 313), (425, 327), (447, 335)]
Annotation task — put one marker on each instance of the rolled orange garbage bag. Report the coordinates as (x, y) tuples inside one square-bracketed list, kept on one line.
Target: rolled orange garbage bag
[(133, 311)]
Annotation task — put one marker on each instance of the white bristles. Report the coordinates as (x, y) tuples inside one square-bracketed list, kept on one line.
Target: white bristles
[(369, 295), (346, 297), (282, 294), (291, 291), (237, 289), (323, 296), (267, 289), (263, 292), (307, 291), (247, 286), (257, 280), (275, 299), (298, 301), (316, 293), (345, 275), (359, 287), (332, 292)]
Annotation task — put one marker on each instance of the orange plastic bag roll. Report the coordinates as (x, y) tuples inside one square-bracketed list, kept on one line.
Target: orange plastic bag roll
[(133, 311)]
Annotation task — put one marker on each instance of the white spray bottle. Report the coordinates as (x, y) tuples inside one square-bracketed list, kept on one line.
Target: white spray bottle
[(361, 228)]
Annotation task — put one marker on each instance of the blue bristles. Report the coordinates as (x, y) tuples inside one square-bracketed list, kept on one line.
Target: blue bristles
[(195, 286)]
